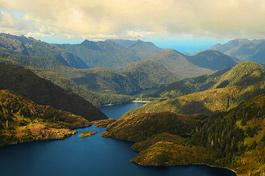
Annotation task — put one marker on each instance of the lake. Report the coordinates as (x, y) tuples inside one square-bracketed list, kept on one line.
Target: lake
[(91, 156)]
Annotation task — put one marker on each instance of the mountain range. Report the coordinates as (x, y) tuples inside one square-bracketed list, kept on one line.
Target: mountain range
[(244, 49), (138, 65), (207, 108), (111, 53)]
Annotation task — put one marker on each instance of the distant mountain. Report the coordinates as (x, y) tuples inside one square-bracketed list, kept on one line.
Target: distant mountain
[(31, 52), (22, 120), (111, 53), (213, 60), (164, 68), (132, 66), (177, 63), (97, 84), (149, 74), (131, 80), (253, 50), (25, 83), (115, 54), (96, 97), (105, 80)]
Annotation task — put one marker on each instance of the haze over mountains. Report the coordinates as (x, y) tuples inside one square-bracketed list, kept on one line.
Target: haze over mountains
[(244, 49), (112, 71), (112, 53), (120, 59), (109, 53), (126, 67)]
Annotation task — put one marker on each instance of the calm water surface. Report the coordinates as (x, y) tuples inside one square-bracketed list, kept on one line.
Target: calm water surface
[(92, 156)]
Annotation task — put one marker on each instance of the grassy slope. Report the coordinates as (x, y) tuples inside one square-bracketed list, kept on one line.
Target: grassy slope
[(22, 120), (153, 123), (189, 85), (225, 91), (167, 149)]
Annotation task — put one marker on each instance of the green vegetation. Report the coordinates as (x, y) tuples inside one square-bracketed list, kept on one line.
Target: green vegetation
[(237, 136), (153, 123), (28, 51), (243, 74), (166, 153), (178, 64), (22, 120), (149, 74), (25, 83), (189, 85), (96, 98), (103, 123), (213, 60), (233, 139), (229, 131), (112, 53), (131, 68), (133, 79), (215, 119), (221, 91)]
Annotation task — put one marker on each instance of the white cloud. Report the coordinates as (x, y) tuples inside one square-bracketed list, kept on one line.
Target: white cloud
[(134, 19)]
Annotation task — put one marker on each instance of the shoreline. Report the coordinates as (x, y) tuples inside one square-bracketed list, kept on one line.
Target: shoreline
[(141, 101), (77, 132), (132, 101), (190, 164)]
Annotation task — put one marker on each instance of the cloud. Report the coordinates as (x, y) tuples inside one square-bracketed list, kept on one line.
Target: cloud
[(99, 19)]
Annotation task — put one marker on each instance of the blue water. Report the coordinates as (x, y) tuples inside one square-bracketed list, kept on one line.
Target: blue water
[(117, 111), (91, 156)]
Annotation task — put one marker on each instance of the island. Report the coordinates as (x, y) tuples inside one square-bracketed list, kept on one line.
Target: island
[(87, 134)]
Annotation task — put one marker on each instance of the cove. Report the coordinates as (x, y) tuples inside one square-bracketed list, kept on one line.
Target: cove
[(91, 156)]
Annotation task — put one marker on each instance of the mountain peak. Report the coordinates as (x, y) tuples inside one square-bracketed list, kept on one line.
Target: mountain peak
[(213, 60), (88, 43)]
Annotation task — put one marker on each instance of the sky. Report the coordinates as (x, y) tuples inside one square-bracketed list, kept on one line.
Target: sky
[(187, 25)]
